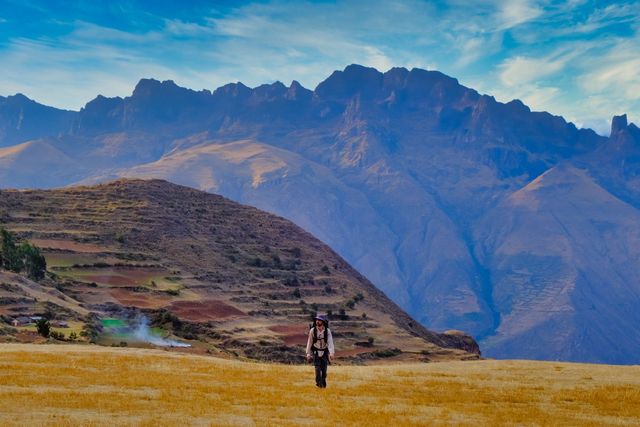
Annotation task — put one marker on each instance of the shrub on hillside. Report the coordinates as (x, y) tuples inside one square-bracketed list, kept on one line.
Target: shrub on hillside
[(33, 261), (92, 328), (387, 352), (57, 335), (18, 258), (43, 327), (9, 257)]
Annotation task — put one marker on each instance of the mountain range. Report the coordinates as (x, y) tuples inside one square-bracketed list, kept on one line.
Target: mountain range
[(471, 214)]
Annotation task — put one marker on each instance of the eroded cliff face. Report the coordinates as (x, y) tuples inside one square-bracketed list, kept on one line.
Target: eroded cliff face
[(443, 197)]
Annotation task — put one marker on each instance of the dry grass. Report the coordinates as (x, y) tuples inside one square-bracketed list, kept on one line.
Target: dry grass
[(87, 385), (73, 327)]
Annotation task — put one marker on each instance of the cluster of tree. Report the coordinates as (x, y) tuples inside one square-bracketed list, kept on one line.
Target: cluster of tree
[(44, 328), (24, 257)]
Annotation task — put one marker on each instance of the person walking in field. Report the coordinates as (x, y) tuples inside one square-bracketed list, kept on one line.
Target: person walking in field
[(320, 348)]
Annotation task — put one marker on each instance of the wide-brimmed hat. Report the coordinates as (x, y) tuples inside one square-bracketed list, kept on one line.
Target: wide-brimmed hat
[(322, 318)]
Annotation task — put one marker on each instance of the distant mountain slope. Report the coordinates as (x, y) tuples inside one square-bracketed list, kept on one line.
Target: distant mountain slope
[(225, 276), (22, 119), (265, 176), (407, 174), (563, 254), (18, 163)]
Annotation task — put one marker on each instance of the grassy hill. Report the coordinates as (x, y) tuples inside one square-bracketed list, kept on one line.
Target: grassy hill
[(224, 278), (90, 385)]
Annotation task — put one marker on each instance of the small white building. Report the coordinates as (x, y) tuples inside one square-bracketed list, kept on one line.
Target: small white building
[(21, 321)]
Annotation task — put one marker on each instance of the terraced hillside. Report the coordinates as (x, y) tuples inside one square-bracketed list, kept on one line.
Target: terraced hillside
[(219, 276)]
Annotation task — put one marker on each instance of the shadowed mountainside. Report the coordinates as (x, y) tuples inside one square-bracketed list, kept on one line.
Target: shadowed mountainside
[(411, 177)]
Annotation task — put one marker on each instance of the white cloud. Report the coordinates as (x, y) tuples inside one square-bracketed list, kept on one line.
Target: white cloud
[(620, 77), (474, 48), (520, 70), (68, 78), (597, 21), (541, 98), (180, 28), (615, 13), (517, 12), (86, 33), (536, 97), (610, 81), (595, 112), (375, 58)]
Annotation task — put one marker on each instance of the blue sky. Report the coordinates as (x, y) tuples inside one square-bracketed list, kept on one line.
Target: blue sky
[(579, 59)]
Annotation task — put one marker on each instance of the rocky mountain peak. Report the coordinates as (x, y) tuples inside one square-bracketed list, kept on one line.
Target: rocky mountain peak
[(22, 119), (618, 123), (154, 91), (297, 91), (624, 139), (355, 79), (101, 103), (269, 91), (518, 106), (20, 98), (146, 87), (396, 77), (236, 90), (422, 80)]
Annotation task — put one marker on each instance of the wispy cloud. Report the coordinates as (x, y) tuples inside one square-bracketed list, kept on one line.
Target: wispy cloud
[(520, 70), (70, 74), (621, 77), (575, 58), (616, 69), (516, 12)]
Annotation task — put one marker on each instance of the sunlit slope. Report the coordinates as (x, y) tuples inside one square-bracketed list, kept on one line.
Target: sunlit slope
[(87, 385)]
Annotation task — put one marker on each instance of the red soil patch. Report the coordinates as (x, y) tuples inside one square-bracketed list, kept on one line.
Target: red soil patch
[(110, 279), (202, 311), (133, 299), (122, 276), (67, 245), (292, 334)]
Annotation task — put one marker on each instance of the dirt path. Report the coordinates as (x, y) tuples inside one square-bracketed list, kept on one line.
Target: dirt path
[(36, 291)]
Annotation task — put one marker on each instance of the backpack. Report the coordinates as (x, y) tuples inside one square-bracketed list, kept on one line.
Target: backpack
[(326, 335)]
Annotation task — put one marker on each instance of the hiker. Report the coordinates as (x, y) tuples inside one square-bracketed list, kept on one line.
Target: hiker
[(320, 348)]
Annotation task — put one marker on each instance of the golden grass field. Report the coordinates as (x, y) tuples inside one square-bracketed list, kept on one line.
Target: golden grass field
[(91, 385)]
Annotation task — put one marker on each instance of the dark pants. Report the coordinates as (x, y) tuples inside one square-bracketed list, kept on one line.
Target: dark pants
[(321, 363)]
